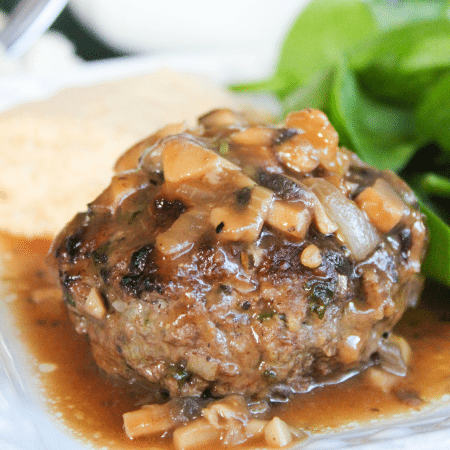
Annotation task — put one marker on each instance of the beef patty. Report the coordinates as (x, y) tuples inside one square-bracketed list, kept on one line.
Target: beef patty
[(238, 257)]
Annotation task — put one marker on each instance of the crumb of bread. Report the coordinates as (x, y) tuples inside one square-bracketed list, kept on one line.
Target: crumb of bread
[(56, 155)]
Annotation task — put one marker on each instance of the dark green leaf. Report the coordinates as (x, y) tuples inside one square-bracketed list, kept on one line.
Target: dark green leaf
[(381, 135), (434, 184), (437, 261), (400, 64), (433, 114)]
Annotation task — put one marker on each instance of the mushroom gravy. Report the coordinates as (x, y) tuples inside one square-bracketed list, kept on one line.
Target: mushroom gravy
[(91, 405)]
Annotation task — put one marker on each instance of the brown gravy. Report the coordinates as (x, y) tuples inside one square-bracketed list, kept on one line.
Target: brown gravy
[(91, 405)]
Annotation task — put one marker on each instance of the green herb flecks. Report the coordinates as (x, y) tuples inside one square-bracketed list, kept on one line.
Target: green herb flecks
[(134, 216), (100, 255), (180, 374), (270, 373), (266, 315), (321, 293), (69, 300), (224, 147)]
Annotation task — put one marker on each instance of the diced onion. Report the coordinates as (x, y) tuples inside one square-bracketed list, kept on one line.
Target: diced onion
[(229, 415), (395, 355), (192, 194), (183, 234), (150, 419), (196, 434), (255, 427), (277, 433), (122, 186), (359, 236), (94, 305)]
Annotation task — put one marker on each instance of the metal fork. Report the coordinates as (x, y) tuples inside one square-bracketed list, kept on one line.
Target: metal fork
[(29, 20)]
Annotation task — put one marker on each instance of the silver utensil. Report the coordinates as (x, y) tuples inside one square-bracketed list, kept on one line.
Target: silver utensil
[(29, 20)]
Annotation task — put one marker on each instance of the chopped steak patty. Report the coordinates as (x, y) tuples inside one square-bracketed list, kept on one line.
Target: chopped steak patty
[(241, 258)]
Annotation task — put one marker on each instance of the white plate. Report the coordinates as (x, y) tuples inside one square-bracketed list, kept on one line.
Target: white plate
[(24, 425)]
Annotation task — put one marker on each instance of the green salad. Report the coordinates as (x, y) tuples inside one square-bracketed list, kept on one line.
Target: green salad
[(381, 71)]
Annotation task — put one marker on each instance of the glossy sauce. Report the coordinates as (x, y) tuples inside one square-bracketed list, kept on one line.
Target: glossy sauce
[(91, 405)]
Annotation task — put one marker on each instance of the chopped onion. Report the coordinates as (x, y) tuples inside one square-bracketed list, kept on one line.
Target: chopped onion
[(148, 420), (192, 194), (395, 355), (356, 232), (122, 186), (277, 433), (183, 234), (198, 433), (229, 415), (94, 305)]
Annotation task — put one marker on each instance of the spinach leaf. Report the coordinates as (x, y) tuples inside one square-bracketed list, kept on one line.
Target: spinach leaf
[(434, 184), (381, 135), (401, 63), (433, 114), (320, 35), (437, 261)]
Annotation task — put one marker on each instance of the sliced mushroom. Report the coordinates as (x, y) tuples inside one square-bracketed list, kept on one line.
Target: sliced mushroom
[(253, 136), (292, 219), (315, 143), (242, 223), (185, 159), (219, 118), (384, 207)]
